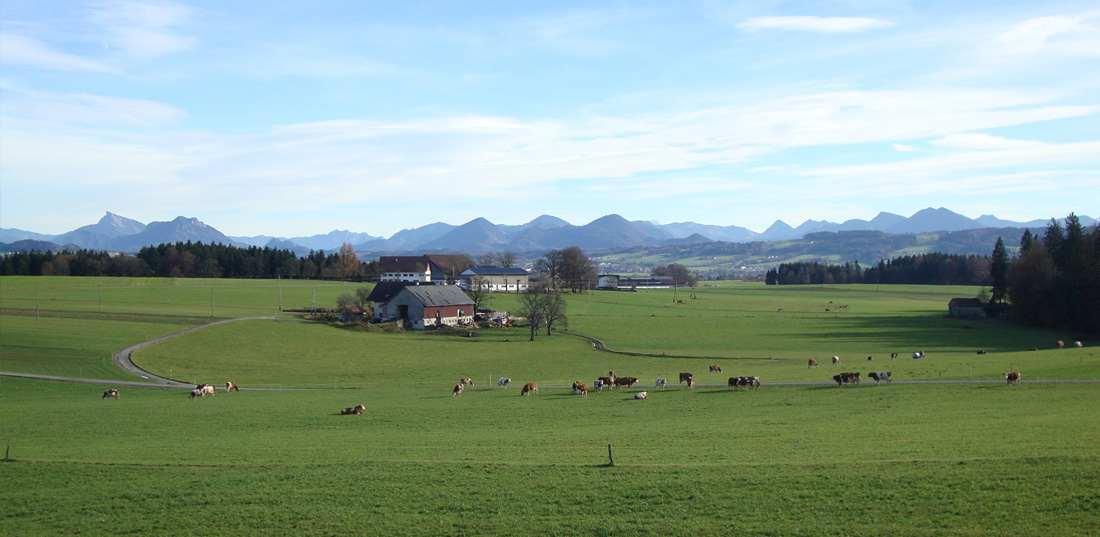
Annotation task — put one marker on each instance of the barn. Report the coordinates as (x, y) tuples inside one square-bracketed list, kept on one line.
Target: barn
[(423, 306), (966, 308)]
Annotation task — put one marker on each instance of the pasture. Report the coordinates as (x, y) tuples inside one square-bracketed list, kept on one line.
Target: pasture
[(906, 459)]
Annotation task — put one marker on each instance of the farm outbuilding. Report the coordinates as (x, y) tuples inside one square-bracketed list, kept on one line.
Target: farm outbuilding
[(966, 308)]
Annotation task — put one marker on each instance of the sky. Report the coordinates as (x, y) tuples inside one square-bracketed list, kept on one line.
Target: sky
[(298, 118)]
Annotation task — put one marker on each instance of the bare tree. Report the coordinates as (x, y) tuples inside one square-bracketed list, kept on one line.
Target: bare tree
[(485, 260), (478, 292), (550, 264), (506, 259), (577, 270)]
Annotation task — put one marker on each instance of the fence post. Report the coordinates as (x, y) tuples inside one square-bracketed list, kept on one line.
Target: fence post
[(610, 459)]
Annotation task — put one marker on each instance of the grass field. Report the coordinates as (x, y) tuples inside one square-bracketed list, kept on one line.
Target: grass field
[(901, 459)]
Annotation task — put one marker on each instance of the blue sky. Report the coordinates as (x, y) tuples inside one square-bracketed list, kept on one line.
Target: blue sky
[(293, 118)]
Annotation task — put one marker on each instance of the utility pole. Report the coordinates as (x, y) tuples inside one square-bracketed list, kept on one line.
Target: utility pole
[(101, 297), (280, 278), (211, 301)]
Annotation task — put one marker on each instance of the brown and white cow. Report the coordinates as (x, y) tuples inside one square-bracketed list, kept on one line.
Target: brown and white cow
[(357, 409), (880, 376), (231, 386), (836, 360), (1013, 377), (661, 382), (628, 381), (641, 395), (581, 390), (110, 393), (715, 369), (685, 376), (467, 381), (811, 363), (893, 356), (205, 388), (530, 387), (457, 391), (1060, 344), (1078, 344), (197, 392)]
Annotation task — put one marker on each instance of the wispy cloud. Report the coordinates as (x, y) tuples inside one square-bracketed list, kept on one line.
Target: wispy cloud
[(1058, 35), (143, 30), (828, 25), (22, 50)]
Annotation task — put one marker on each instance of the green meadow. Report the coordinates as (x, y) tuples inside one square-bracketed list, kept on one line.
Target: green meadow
[(965, 458)]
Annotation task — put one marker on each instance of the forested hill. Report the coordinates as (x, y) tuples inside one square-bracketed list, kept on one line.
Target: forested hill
[(866, 247)]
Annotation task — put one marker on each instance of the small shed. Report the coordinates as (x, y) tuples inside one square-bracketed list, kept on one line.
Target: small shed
[(966, 308), (428, 305)]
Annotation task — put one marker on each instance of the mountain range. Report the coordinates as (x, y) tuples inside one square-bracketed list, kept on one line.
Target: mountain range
[(120, 234)]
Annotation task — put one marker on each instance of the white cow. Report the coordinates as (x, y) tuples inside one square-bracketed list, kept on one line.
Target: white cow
[(661, 383), (503, 382), (641, 395)]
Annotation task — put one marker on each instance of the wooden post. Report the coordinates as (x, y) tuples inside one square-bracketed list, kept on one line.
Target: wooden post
[(610, 459)]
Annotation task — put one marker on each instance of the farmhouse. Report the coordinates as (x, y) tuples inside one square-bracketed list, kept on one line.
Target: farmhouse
[(966, 308), (421, 306), (515, 280), (615, 282)]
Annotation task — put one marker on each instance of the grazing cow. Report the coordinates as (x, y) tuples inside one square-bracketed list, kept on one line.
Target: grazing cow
[(715, 369), (598, 384), (812, 363), (581, 390), (197, 393), (1078, 344), (691, 382), (206, 388), (1013, 377), (983, 352), (839, 380), (836, 360), (606, 381), (641, 395), (231, 386), (733, 382), (357, 409), (917, 355), (110, 393), (880, 376), (660, 383), (503, 382), (685, 376), (457, 392), (846, 378), (467, 381), (744, 382), (868, 358), (576, 384), (629, 381), (529, 388), (893, 356), (1060, 344)]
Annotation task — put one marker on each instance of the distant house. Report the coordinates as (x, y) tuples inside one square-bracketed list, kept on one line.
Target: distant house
[(615, 282), (422, 306), (515, 280), (430, 268), (966, 308)]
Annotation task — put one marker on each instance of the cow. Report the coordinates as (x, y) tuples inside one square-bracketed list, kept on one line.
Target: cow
[(752, 382), (846, 378), (868, 358), (581, 390), (1034, 348), (685, 376), (357, 409), (629, 381), (733, 382), (880, 376), (609, 382), (231, 386), (918, 355), (691, 382), (838, 379), (1078, 344), (110, 393), (836, 360), (641, 395), (812, 363), (503, 382), (530, 387), (660, 383), (206, 388), (576, 384), (1060, 344), (457, 392), (598, 385), (715, 369), (1013, 377), (467, 381), (197, 393), (893, 356), (983, 352)]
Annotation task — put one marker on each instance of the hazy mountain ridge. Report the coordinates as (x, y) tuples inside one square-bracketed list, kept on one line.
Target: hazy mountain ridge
[(611, 232)]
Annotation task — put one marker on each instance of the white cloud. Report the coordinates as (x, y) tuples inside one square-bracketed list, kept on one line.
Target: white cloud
[(828, 25), (143, 30), (1059, 35), (23, 50), (90, 110), (982, 142)]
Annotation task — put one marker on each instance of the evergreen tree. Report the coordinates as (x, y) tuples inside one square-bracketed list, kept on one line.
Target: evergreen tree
[(999, 271)]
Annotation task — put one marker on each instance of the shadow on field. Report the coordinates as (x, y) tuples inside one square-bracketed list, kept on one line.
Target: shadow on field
[(909, 333)]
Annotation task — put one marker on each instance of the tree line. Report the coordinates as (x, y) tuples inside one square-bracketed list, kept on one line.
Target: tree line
[(1055, 279), (919, 269), (193, 260)]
